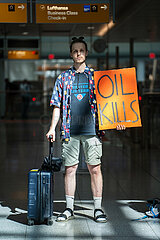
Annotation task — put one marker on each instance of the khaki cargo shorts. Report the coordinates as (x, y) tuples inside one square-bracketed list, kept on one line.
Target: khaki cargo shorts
[(92, 148)]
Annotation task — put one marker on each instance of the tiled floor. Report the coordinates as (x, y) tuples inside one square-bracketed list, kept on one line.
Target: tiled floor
[(131, 175)]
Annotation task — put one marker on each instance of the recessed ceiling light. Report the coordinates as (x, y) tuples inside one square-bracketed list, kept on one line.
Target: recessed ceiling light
[(22, 25), (25, 33), (91, 27)]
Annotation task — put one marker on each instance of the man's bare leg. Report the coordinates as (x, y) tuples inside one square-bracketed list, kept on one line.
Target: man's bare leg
[(96, 180), (70, 187), (70, 179), (97, 188)]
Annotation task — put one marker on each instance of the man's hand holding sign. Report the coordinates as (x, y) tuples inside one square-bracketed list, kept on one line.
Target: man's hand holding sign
[(117, 99)]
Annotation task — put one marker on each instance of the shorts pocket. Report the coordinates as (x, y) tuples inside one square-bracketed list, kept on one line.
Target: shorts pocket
[(93, 148)]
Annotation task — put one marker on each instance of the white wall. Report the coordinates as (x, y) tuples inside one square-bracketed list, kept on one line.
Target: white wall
[(20, 70)]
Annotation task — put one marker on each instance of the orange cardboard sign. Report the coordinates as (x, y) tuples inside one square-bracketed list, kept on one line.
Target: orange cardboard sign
[(117, 98)]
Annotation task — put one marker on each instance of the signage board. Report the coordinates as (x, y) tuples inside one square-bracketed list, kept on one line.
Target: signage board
[(72, 13), (20, 54), (13, 12), (117, 98)]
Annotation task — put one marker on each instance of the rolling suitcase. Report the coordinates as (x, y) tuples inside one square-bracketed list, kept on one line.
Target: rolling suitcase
[(40, 199)]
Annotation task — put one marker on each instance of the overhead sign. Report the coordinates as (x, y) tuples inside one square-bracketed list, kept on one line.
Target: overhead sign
[(72, 13), (25, 55), (117, 98), (13, 12)]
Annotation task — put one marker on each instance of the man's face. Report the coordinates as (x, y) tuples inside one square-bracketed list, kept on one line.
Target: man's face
[(79, 52)]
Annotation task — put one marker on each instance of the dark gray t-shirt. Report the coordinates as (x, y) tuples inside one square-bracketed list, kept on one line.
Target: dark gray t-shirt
[(82, 122)]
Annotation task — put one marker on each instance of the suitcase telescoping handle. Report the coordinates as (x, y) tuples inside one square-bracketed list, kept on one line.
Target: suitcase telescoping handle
[(50, 149)]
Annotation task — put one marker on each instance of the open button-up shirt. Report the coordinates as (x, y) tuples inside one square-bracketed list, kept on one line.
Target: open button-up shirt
[(61, 98)]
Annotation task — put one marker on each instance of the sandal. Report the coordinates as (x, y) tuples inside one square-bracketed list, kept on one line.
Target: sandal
[(63, 217), (101, 218)]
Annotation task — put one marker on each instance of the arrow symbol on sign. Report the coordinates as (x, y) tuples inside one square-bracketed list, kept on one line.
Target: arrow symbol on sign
[(104, 7), (21, 6)]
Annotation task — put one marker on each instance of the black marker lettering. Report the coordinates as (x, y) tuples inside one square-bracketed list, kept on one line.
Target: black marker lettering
[(106, 86), (122, 87), (134, 111), (101, 114)]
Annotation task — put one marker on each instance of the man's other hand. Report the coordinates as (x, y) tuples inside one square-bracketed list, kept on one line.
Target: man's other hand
[(121, 127)]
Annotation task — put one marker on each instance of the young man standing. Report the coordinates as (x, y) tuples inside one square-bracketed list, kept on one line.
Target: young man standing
[(74, 99)]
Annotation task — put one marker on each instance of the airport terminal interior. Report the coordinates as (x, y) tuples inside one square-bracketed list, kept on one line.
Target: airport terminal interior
[(33, 53)]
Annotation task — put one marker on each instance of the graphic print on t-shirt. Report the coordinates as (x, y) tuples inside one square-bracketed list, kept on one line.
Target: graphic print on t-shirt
[(79, 90), (80, 96)]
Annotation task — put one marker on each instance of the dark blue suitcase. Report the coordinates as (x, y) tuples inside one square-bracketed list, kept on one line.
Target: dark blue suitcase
[(40, 193), (40, 200)]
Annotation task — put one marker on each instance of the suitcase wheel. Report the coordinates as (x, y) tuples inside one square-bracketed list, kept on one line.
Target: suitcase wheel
[(30, 222), (49, 222)]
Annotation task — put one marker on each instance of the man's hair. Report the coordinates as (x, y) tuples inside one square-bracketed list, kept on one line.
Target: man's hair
[(78, 40)]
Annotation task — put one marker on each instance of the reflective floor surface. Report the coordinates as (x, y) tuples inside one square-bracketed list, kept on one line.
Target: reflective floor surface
[(131, 176)]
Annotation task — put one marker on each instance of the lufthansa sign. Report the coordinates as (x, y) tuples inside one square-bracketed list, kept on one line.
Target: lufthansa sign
[(72, 13)]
